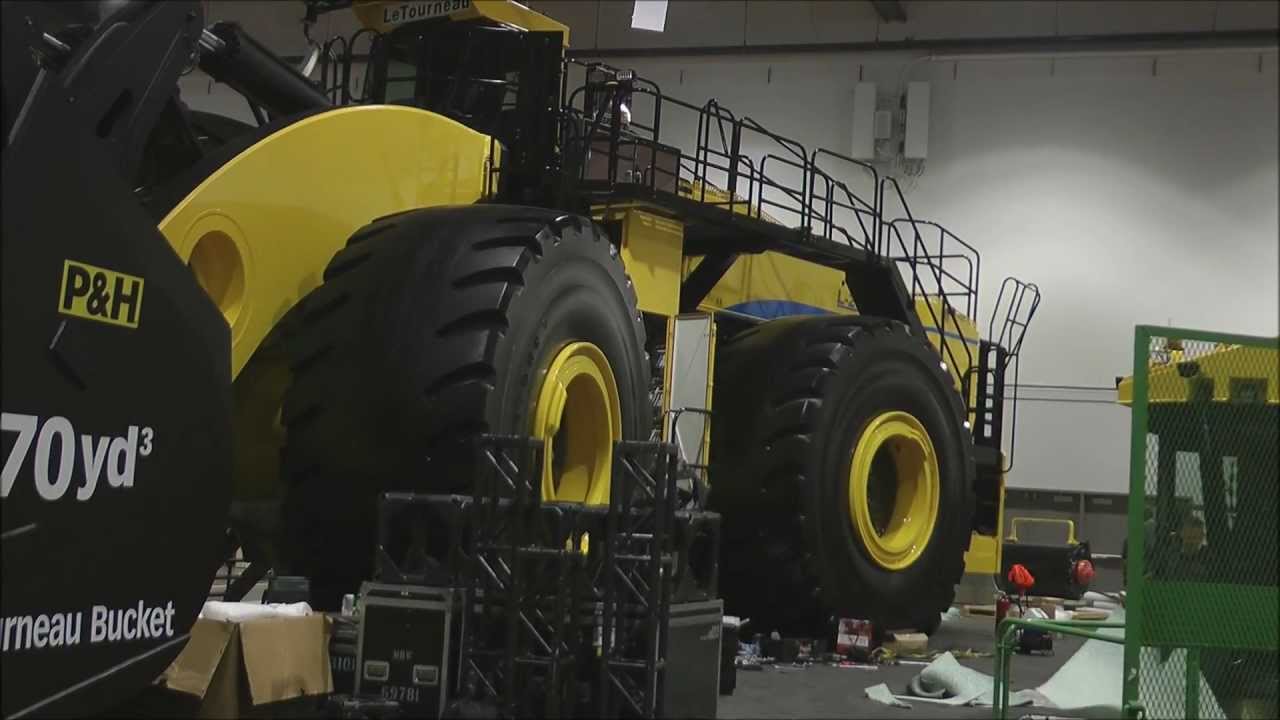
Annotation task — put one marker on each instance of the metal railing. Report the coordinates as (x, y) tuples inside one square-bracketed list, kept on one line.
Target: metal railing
[(785, 183), (1006, 643)]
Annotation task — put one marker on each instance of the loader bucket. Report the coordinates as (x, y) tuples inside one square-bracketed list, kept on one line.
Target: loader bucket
[(116, 380)]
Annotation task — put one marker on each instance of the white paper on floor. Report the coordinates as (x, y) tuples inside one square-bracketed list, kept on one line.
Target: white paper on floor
[(1089, 684), (882, 694), (963, 685)]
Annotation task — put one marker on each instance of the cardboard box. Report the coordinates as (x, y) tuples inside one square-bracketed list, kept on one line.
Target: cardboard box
[(234, 667), (907, 643)]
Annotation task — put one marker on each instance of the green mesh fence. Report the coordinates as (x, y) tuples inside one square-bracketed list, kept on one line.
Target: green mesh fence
[(1202, 612)]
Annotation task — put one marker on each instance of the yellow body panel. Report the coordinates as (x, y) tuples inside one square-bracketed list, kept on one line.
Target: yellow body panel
[(652, 249), (384, 15), (801, 287), (713, 195), (261, 229), (985, 553), (960, 336), (1166, 384)]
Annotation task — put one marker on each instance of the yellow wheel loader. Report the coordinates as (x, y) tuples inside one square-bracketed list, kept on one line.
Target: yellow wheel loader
[(211, 324)]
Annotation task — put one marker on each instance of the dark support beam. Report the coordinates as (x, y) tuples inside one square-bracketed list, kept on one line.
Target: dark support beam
[(703, 278), (890, 10), (1240, 39)]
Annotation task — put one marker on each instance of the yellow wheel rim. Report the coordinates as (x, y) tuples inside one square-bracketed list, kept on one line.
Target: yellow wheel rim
[(578, 417), (894, 489)]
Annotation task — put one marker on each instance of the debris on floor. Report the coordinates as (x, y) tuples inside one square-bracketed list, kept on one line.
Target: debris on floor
[(855, 638), (882, 694), (947, 682), (907, 643)]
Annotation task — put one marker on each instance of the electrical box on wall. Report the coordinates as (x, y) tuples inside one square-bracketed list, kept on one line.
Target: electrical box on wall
[(884, 124), (915, 141), (863, 145)]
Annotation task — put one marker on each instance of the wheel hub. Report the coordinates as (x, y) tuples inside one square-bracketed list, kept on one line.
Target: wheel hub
[(577, 415), (894, 489)]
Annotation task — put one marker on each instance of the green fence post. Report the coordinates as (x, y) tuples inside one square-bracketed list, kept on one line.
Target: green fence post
[(1137, 506), (1193, 683)]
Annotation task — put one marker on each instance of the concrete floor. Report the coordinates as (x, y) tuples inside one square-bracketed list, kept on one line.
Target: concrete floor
[(822, 691)]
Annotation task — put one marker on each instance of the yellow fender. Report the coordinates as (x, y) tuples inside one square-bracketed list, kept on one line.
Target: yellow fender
[(259, 231)]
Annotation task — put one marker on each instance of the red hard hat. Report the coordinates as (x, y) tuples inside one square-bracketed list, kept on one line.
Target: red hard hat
[(1021, 578), (1083, 573)]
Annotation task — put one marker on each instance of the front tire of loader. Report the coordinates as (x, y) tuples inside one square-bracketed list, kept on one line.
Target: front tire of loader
[(844, 473), (438, 324)]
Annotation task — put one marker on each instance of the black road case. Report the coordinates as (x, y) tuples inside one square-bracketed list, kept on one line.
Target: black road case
[(692, 678), (408, 644)]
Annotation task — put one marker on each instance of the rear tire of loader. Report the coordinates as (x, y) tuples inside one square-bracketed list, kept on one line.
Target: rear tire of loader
[(432, 326), (795, 400)]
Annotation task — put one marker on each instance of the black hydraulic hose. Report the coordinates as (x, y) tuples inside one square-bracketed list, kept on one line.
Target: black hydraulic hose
[(233, 57)]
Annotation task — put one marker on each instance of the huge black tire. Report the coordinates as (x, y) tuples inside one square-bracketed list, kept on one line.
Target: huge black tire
[(431, 326), (792, 398)]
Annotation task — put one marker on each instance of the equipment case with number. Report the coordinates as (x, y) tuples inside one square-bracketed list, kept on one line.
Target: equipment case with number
[(407, 645)]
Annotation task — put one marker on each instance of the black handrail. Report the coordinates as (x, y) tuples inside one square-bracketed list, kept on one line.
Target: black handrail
[(1024, 300)]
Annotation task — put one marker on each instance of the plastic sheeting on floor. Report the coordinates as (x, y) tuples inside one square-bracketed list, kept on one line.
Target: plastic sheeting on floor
[(882, 694), (959, 685), (1089, 683)]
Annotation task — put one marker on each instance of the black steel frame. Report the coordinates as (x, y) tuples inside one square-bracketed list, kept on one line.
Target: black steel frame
[(639, 564), (550, 628)]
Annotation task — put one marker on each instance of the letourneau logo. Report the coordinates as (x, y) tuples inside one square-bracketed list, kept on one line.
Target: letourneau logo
[(93, 293), (408, 12)]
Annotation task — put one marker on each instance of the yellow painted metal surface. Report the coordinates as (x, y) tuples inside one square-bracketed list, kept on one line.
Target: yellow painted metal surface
[(959, 335), (711, 383), (578, 417), (652, 250), (1171, 382), (985, 553), (895, 542), (384, 15), (668, 380), (94, 293), (774, 277), (261, 229), (1070, 525), (712, 195)]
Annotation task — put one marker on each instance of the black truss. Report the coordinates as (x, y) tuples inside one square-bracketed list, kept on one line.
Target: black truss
[(566, 605)]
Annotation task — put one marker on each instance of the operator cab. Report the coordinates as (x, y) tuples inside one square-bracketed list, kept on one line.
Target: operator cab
[(463, 59)]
